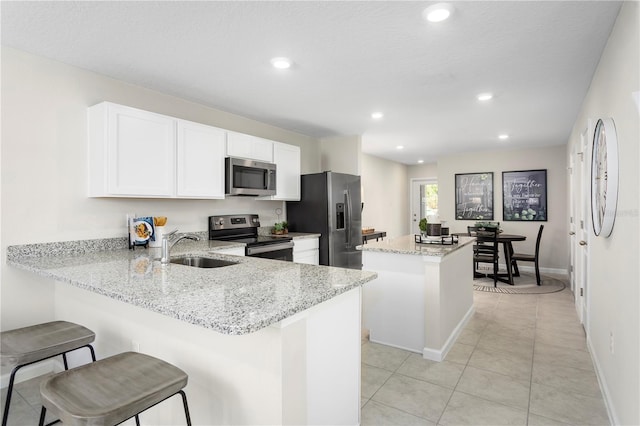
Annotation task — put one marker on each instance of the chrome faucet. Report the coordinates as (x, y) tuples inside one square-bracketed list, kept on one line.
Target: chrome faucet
[(168, 243)]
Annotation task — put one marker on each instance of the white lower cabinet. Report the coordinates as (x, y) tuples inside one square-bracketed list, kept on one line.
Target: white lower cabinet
[(305, 250)]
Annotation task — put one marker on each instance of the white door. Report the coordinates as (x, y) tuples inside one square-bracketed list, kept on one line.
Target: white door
[(424, 201), (580, 241), (573, 193)]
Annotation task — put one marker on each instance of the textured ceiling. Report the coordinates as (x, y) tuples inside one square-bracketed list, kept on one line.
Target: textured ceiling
[(351, 59)]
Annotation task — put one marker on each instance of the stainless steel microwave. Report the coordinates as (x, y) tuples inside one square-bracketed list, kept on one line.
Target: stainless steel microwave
[(249, 177)]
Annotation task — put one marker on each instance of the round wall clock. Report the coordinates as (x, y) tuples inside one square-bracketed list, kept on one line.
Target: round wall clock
[(604, 177)]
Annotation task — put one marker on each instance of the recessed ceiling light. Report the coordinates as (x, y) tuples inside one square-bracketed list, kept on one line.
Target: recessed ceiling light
[(503, 136), (377, 115), (420, 161), (438, 12), (399, 147), (485, 96), (281, 63)]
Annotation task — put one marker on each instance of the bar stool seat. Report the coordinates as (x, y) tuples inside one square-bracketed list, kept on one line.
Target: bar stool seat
[(112, 390), (24, 346)]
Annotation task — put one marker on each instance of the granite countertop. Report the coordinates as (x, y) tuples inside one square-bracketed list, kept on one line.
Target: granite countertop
[(298, 235), (407, 245), (237, 299)]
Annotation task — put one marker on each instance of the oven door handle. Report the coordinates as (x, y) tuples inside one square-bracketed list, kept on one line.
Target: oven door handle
[(269, 247)]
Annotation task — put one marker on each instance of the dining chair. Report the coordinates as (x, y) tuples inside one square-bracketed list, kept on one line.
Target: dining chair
[(486, 249), (524, 257)]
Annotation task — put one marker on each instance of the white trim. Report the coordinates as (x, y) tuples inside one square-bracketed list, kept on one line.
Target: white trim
[(440, 354), (554, 271), (606, 396)]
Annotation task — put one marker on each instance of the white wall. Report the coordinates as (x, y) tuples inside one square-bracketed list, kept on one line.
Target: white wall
[(553, 248), (613, 286), (44, 171), (341, 154), (423, 171), (385, 195)]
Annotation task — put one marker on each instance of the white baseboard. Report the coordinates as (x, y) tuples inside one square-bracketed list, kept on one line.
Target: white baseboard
[(564, 273), (31, 371), (440, 354), (606, 396)]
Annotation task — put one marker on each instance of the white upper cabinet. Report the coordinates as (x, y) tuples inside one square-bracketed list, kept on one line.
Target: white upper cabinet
[(287, 160), (200, 160), (131, 152), (250, 147), (136, 153)]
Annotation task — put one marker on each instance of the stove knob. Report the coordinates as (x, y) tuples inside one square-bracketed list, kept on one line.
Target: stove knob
[(220, 221)]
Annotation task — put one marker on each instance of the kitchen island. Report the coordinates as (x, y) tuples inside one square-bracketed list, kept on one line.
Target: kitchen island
[(423, 296), (263, 341)]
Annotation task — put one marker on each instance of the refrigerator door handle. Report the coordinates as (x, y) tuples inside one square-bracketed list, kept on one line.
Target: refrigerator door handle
[(347, 196)]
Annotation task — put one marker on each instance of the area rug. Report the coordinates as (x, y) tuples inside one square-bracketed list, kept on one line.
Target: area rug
[(524, 284)]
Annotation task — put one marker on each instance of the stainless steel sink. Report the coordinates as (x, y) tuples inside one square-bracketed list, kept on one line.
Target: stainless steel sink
[(202, 262)]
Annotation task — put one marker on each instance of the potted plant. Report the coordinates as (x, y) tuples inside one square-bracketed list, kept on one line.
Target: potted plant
[(280, 228), (423, 226)]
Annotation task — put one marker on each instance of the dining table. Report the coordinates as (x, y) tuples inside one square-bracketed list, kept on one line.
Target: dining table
[(512, 268)]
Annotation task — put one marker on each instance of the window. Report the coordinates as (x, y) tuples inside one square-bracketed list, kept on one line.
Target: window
[(429, 199)]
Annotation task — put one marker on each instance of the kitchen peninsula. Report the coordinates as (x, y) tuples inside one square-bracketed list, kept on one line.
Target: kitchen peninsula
[(263, 341), (423, 296)]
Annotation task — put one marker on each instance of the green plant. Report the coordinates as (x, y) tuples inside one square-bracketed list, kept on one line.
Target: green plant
[(285, 224), (423, 224), (278, 226)]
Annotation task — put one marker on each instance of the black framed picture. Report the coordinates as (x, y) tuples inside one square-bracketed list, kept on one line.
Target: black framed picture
[(474, 196), (524, 195)]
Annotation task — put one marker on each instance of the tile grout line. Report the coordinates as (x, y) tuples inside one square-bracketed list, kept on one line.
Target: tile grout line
[(466, 364), (533, 355)]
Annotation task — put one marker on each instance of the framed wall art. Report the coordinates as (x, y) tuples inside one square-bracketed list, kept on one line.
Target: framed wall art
[(474, 196), (524, 196)]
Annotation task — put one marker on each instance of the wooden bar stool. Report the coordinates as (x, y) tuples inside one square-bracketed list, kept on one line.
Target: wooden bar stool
[(28, 345), (112, 390)]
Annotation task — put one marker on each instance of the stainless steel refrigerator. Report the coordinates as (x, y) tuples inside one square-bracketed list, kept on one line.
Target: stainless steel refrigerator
[(330, 205)]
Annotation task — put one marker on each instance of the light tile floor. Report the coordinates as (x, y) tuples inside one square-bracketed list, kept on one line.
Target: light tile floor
[(521, 360)]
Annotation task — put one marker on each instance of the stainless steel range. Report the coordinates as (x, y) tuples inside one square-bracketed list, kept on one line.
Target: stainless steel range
[(243, 228)]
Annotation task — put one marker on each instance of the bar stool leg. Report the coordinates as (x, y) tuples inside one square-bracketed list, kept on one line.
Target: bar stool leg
[(5, 415), (43, 414), (186, 407)]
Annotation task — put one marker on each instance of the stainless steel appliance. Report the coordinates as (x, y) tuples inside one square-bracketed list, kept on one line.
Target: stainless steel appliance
[(330, 205), (249, 177), (243, 228)]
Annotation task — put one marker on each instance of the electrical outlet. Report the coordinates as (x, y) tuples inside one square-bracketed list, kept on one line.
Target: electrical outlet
[(611, 342)]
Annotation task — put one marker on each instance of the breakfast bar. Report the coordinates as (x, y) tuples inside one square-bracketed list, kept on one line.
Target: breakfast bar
[(263, 341), (423, 296)]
